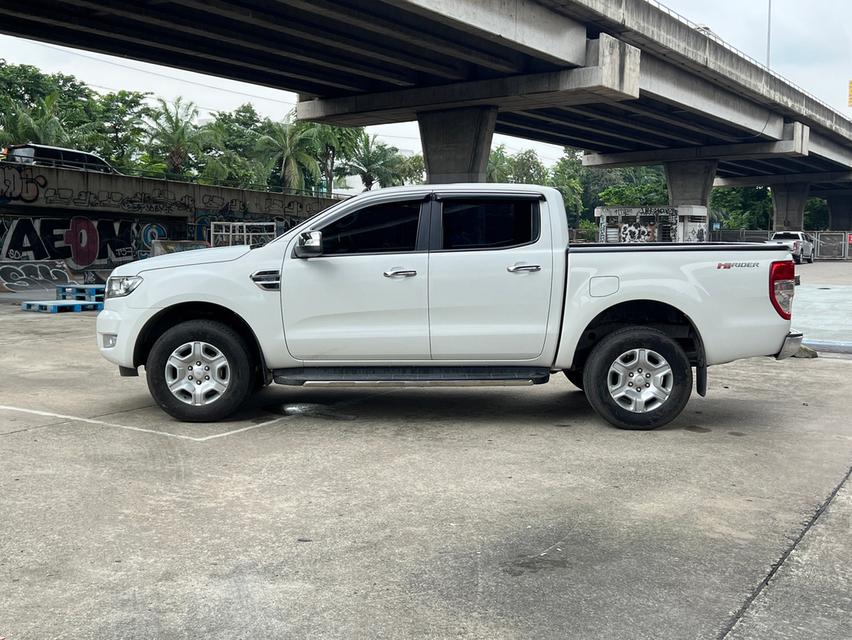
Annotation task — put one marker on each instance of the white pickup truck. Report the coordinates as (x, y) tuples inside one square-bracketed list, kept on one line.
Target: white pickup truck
[(801, 245), (447, 285)]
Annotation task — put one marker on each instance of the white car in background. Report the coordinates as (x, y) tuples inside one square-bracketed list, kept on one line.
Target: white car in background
[(801, 245)]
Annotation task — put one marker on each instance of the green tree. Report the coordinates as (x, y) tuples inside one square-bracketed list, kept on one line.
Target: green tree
[(637, 187), (121, 126), (373, 162), (816, 215), (292, 148), (173, 135), (527, 168), (742, 207), (413, 170), (333, 144), (566, 178), (28, 86), (499, 165), (41, 123)]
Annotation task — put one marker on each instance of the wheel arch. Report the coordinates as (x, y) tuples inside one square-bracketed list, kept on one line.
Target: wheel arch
[(662, 316), (181, 312)]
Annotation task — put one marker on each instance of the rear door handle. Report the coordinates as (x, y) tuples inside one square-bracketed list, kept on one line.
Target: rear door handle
[(400, 273), (520, 268)]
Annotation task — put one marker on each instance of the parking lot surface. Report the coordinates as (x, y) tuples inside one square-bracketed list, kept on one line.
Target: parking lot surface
[(470, 513)]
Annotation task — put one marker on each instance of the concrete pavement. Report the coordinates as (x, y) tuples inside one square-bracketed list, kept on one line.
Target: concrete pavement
[(822, 308), (472, 513)]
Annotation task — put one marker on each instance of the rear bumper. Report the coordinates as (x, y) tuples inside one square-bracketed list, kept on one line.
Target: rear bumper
[(791, 345)]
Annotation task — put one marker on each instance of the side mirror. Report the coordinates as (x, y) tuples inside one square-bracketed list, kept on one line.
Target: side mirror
[(309, 244)]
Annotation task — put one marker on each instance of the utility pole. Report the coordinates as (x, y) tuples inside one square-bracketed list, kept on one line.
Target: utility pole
[(768, 31)]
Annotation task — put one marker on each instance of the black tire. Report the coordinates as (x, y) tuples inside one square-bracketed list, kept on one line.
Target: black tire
[(575, 377), (596, 376), (812, 258), (797, 258), (223, 338)]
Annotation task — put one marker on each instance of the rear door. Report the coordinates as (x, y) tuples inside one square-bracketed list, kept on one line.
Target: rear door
[(490, 277)]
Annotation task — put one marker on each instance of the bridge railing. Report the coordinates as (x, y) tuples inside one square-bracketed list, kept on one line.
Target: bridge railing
[(722, 43)]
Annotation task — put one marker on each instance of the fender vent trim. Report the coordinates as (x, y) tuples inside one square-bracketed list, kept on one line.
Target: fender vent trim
[(267, 279)]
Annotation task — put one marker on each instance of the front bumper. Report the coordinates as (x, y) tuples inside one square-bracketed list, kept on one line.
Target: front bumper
[(791, 345), (123, 323)]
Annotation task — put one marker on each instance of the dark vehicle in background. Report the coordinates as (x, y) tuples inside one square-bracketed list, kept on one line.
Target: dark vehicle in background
[(40, 155)]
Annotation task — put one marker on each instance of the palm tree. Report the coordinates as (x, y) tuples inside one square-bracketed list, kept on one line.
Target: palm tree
[(41, 124), (373, 162), (293, 147), (333, 143), (173, 134)]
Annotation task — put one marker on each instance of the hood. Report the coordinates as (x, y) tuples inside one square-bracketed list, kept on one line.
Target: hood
[(182, 259)]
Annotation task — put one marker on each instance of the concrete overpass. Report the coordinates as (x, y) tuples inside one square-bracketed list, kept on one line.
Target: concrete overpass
[(626, 80)]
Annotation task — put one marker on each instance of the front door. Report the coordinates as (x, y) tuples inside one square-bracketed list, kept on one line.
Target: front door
[(365, 297), (490, 278)]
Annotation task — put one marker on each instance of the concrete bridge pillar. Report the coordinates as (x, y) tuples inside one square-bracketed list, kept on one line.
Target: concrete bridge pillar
[(788, 202), (839, 212), (456, 143), (690, 181)]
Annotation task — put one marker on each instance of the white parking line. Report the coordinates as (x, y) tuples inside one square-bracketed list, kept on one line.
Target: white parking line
[(102, 423)]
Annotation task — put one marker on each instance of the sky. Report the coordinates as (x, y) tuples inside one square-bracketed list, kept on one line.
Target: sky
[(811, 45)]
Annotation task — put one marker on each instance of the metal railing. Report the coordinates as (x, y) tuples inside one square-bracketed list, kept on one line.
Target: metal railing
[(722, 43)]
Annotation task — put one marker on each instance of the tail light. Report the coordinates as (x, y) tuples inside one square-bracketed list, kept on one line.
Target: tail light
[(782, 285)]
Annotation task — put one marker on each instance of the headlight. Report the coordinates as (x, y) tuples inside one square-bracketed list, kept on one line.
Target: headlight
[(121, 286)]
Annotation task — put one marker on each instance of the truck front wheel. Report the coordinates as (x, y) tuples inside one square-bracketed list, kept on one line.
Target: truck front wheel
[(638, 379), (199, 371)]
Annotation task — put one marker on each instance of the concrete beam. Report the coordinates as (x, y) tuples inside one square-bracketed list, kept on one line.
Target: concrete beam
[(667, 83), (384, 28), (456, 143), (613, 74), (690, 182), (794, 143), (768, 180), (825, 147), (523, 25), (788, 203)]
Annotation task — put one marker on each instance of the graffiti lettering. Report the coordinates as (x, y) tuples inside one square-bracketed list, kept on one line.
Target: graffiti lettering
[(81, 242), (32, 276), (19, 183)]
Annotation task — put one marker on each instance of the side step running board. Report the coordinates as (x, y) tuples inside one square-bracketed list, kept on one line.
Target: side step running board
[(411, 376)]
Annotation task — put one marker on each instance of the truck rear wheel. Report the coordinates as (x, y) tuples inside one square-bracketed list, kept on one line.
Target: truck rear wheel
[(638, 379), (199, 371)]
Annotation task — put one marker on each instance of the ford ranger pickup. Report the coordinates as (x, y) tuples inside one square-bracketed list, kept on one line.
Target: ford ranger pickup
[(461, 284)]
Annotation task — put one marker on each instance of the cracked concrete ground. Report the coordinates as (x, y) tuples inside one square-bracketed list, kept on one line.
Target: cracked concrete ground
[(469, 513)]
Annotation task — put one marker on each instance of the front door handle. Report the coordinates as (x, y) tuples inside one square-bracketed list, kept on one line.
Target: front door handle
[(520, 268), (400, 273)]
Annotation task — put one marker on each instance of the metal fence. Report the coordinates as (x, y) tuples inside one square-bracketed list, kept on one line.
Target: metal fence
[(226, 234), (830, 245)]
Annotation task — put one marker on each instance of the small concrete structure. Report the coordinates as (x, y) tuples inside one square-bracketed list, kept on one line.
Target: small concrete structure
[(685, 223)]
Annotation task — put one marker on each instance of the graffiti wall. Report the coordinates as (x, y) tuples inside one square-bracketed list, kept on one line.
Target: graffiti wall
[(68, 189), (84, 248), (63, 225)]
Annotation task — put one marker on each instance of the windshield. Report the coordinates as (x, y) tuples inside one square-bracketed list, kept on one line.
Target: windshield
[(786, 236)]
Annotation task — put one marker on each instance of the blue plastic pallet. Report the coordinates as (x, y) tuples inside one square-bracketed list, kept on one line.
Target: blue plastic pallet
[(88, 292), (61, 306)]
